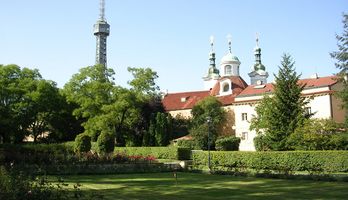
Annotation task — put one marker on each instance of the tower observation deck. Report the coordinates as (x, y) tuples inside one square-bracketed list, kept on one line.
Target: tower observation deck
[(101, 31)]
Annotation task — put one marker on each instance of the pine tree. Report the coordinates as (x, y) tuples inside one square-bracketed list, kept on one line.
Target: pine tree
[(342, 62), (279, 115)]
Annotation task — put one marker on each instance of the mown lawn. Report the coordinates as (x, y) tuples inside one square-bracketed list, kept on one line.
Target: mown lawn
[(205, 186)]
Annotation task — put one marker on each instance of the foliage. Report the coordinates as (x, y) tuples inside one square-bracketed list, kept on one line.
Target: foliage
[(278, 116), (18, 185), (90, 89), (124, 113), (261, 143), (180, 126), (281, 161), (143, 82), (186, 144), (209, 107), (82, 143), (106, 143), (200, 135), (56, 158), (40, 154), (319, 134), (227, 143), (28, 103), (157, 152), (341, 57)]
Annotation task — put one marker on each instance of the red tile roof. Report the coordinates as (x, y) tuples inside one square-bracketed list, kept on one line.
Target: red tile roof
[(173, 101), (238, 85), (310, 83)]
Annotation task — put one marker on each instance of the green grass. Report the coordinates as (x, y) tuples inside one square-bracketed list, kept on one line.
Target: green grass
[(205, 186)]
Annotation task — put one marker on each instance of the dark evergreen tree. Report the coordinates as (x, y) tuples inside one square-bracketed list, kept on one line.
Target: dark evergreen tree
[(279, 115), (342, 62)]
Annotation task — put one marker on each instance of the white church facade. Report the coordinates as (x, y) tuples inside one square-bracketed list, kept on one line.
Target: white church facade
[(240, 98)]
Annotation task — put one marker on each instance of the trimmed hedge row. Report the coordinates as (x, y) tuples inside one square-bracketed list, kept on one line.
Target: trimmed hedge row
[(98, 168), (36, 153), (282, 161), (174, 153)]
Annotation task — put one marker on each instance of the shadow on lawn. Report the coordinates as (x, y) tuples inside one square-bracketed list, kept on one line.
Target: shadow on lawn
[(202, 186)]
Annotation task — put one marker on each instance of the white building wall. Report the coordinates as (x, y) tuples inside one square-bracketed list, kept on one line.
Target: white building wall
[(183, 113), (242, 126), (209, 84), (320, 106), (315, 90)]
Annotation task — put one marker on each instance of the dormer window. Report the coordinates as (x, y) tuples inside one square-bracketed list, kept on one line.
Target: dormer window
[(226, 87), (183, 99)]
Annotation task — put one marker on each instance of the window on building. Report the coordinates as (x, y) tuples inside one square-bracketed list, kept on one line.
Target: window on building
[(244, 136), (244, 116), (308, 110), (228, 69), (226, 87)]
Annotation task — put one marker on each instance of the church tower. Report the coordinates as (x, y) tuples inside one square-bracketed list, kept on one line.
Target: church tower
[(213, 74), (229, 63), (101, 31), (258, 75)]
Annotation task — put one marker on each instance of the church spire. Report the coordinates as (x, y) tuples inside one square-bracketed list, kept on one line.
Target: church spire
[(257, 52), (213, 73), (258, 75), (212, 52)]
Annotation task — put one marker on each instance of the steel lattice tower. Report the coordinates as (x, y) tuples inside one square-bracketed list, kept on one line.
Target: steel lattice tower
[(101, 31)]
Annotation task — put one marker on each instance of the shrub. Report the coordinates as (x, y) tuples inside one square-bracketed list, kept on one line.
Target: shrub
[(261, 143), (227, 144), (17, 185), (318, 134), (46, 154), (158, 152), (186, 144), (105, 143), (281, 161), (82, 143)]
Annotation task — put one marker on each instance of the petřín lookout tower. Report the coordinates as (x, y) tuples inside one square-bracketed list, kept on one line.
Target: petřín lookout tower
[(101, 31)]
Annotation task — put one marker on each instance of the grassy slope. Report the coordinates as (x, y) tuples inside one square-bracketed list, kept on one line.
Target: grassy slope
[(203, 186)]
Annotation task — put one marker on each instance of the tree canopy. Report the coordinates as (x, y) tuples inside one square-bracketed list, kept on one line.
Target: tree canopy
[(28, 104), (280, 114), (341, 57), (208, 108)]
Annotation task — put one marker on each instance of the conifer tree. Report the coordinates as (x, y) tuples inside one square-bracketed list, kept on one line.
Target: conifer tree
[(279, 115), (342, 62)]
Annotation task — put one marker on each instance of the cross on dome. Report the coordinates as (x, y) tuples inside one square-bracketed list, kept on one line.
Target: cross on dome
[(229, 39)]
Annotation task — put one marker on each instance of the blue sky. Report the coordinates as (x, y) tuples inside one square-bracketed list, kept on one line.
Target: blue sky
[(171, 37)]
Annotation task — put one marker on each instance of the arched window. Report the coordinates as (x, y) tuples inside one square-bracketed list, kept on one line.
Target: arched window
[(228, 70), (226, 87)]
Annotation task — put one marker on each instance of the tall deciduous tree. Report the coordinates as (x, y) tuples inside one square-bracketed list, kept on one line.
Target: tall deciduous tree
[(342, 62), (278, 116), (91, 89), (143, 82), (209, 107), (27, 103)]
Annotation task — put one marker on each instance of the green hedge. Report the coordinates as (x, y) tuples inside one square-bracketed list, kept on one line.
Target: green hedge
[(126, 168), (227, 143), (158, 152), (281, 161), (36, 153)]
